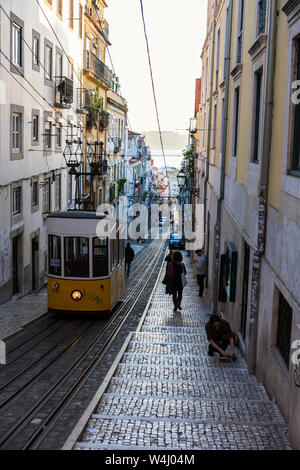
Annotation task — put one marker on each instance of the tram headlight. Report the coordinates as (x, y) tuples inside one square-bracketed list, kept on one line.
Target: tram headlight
[(76, 295)]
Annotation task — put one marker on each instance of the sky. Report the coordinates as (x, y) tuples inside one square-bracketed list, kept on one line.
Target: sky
[(176, 32)]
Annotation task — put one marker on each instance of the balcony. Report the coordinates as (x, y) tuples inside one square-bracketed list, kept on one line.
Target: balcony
[(105, 28), (63, 92), (93, 64), (92, 119), (117, 145), (103, 120)]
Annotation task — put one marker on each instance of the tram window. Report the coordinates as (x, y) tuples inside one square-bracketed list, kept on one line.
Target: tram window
[(118, 245), (100, 258), (54, 243), (76, 257), (115, 251)]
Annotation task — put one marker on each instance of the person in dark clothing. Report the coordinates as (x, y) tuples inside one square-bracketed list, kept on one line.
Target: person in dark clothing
[(129, 255), (169, 257), (219, 335), (175, 285)]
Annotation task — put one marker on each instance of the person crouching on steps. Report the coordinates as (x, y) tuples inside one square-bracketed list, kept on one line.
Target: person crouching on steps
[(176, 274), (219, 335)]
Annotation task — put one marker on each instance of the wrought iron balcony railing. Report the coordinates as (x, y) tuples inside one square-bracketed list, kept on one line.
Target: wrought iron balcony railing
[(96, 66), (103, 119), (63, 92)]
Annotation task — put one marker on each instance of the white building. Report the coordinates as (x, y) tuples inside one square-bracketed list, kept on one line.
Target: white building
[(40, 73)]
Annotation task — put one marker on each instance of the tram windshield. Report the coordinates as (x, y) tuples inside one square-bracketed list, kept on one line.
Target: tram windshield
[(100, 257), (76, 257)]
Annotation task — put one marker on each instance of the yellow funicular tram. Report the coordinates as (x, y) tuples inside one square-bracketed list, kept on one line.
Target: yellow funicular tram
[(86, 273)]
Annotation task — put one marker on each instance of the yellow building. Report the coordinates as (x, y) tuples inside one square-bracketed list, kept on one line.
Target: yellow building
[(248, 155), (97, 80)]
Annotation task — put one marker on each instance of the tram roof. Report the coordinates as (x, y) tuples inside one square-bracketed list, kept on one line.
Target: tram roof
[(76, 215)]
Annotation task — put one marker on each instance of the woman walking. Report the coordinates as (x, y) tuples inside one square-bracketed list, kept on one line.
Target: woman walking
[(176, 275)]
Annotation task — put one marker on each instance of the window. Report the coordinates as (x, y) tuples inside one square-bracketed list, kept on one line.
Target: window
[(70, 68), (261, 16), (76, 257), (48, 62), (16, 46), (47, 136), (257, 113), (214, 127), (284, 328), (236, 119), (218, 58), (35, 128), (36, 50), (59, 64), (71, 13), (17, 200), (54, 256), (80, 21), (47, 197), (16, 132), (59, 8), (100, 257), (227, 39), (35, 193), (240, 32), (58, 135), (58, 192), (295, 163)]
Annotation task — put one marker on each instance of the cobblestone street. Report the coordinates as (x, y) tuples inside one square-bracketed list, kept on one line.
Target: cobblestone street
[(167, 393)]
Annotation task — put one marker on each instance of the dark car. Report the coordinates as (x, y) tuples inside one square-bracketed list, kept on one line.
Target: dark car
[(176, 242)]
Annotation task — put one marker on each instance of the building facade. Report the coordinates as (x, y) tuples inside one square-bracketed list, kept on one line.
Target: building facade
[(41, 56), (247, 172)]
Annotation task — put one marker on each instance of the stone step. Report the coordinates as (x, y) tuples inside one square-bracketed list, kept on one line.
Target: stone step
[(176, 349), (262, 412), (195, 362), (170, 338), (105, 433), (190, 389), (184, 373)]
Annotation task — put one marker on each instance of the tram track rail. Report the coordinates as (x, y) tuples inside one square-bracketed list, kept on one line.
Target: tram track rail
[(135, 271), (106, 336)]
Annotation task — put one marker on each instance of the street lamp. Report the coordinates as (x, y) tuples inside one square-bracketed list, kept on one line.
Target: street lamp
[(181, 179)]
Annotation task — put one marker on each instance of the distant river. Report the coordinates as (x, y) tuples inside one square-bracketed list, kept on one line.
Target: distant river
[(173, 157)]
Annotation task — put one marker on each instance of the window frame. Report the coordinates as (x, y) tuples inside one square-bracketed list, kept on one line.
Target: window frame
[(71, 14), (59, 8), (35, 113), (236, 115), (86, 255), (93, 257), (16, 153), (14, 67), (59, 248), (293, 168), (48, 45), (18, 211), (257, 117), (36, 37)]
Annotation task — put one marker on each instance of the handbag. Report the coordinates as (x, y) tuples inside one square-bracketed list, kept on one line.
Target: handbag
[(170, 270)]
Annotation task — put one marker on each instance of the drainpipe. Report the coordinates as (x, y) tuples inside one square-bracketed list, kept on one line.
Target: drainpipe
[(209, 134), (223, 152), (264, 184)]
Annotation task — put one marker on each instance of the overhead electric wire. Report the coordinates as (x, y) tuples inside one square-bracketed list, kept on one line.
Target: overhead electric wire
[(153, 88), (40, 63)]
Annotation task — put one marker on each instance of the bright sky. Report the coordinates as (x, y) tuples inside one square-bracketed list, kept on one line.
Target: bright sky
[(176, 31)]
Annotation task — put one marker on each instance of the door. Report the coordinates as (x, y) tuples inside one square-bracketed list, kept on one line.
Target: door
[(15, 276), (245, 290), (34, 262)]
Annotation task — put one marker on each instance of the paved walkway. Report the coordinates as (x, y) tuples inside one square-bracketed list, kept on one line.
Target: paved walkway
[(15, 314), (167, 393)]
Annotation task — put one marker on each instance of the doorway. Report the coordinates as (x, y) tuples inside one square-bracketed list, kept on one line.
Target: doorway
[(245, 290), (35, 263), (16, 267)]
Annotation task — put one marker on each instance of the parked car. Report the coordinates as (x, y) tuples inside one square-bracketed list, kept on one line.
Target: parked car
[(176, 242)]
